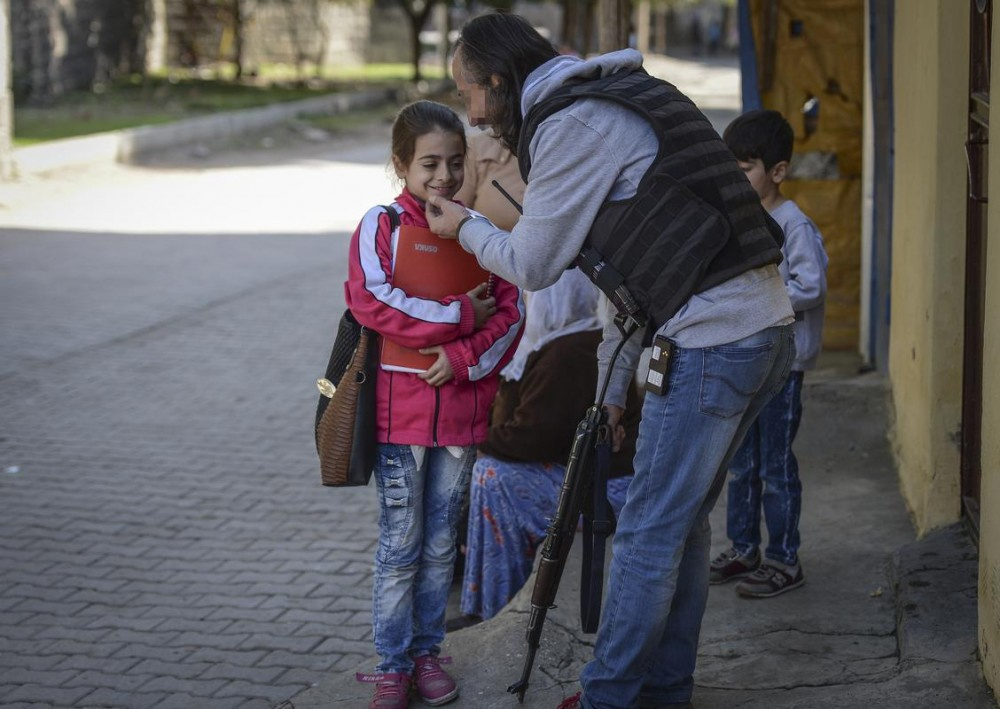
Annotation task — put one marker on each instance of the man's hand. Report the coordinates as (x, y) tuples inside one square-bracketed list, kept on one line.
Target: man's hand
[(615, 414), (440, 372), (443, 216), (482, 307)]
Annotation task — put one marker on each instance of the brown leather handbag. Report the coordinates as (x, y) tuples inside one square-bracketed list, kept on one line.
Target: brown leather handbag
[(345, 415)]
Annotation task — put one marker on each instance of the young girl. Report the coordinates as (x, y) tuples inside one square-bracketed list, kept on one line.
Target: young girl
[(428, 424)]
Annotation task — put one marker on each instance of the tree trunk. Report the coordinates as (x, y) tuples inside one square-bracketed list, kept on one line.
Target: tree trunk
[(642, 12), (589, 13), (237, 11), (7, 168), (444, 25), (609, 28), (569, 23), (417, 21)]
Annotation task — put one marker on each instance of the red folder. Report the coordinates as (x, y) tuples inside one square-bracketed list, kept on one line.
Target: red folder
[(427, 266)]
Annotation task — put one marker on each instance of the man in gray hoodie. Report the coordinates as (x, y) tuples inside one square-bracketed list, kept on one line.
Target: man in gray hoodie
[(731, 343)]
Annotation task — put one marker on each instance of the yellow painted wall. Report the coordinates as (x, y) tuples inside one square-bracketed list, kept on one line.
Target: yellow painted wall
[(989, 519), (928, 254)]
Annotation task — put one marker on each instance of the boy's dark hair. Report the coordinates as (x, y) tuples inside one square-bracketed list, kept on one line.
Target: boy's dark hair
[(508, 46), (762, 135), (420, 118)]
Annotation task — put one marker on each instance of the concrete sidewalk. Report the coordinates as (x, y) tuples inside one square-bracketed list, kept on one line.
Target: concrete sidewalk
[(129, 145), (883, 621)]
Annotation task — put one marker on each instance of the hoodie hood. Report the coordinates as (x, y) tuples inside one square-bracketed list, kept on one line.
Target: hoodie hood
[(557, 71)]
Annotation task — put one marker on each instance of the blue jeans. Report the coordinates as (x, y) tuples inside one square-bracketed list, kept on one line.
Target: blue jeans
[(418, 518), (765, 473), (647, 642)]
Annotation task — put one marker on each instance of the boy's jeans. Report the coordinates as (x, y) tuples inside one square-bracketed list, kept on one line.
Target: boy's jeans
[(419, 509), (765, 472), (647, 642)]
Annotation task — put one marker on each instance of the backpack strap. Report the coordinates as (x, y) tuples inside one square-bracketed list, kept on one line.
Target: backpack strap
[(393, 216)]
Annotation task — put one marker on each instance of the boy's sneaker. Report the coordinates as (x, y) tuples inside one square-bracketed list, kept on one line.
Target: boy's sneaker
[(434, 685), (392, 690), (770, 580), (730, 565)]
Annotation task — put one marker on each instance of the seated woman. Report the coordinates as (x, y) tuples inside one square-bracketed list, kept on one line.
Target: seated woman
[(544, 392)]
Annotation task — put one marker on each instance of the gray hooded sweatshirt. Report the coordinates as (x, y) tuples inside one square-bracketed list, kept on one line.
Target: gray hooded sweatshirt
[(589, 152)]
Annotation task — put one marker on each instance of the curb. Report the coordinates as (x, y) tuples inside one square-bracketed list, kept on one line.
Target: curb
[(128, 145)]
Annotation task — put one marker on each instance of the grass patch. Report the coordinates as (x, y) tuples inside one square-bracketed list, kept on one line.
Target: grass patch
[(160, 99)]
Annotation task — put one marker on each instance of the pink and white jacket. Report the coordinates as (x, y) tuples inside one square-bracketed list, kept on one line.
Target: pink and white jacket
[(409, 410)]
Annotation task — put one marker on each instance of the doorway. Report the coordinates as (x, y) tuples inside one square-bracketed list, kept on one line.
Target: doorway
[(976, 232)]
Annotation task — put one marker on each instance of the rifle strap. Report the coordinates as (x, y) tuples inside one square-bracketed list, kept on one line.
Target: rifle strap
[(597, 527)]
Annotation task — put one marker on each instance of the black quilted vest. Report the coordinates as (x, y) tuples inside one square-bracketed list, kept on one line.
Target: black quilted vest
[(694, 222)]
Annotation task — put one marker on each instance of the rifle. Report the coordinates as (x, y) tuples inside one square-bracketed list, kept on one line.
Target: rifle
[(592, 434)]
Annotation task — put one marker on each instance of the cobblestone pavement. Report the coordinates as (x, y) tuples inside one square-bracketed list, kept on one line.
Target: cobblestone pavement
[(164, 539)]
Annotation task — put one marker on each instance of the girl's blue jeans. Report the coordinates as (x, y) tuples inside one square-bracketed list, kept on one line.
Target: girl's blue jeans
[(647, 642), (418, 518), (764, 475)]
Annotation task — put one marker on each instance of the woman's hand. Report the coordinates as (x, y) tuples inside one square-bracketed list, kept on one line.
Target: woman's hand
[(482, 307), (443, 216), (440, 372)]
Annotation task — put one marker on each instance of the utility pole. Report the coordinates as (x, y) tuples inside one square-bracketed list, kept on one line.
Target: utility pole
[(7, 168)]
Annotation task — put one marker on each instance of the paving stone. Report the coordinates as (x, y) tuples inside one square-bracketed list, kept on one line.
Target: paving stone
[(124, 682), (259, 641), (239, 688), (46, 694), (198, 625), (69, 646), (80, 635), (181, 685), (141, 651), (233, 642), (315, 660), (287, 629), (255, 675), (13, 662), (260, 615), (187, 701), (102, 664), (112, 622), (104, 697)]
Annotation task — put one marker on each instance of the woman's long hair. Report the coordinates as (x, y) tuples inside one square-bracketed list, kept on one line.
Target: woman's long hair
[(507, 46)]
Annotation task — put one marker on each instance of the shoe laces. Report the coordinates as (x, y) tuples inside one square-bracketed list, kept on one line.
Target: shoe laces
[(765, 572)]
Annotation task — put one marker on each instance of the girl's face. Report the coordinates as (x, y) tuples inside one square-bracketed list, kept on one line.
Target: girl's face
[(437, 168)]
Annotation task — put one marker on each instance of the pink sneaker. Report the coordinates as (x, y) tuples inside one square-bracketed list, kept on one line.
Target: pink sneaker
[(434, 685), (392, 690)]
